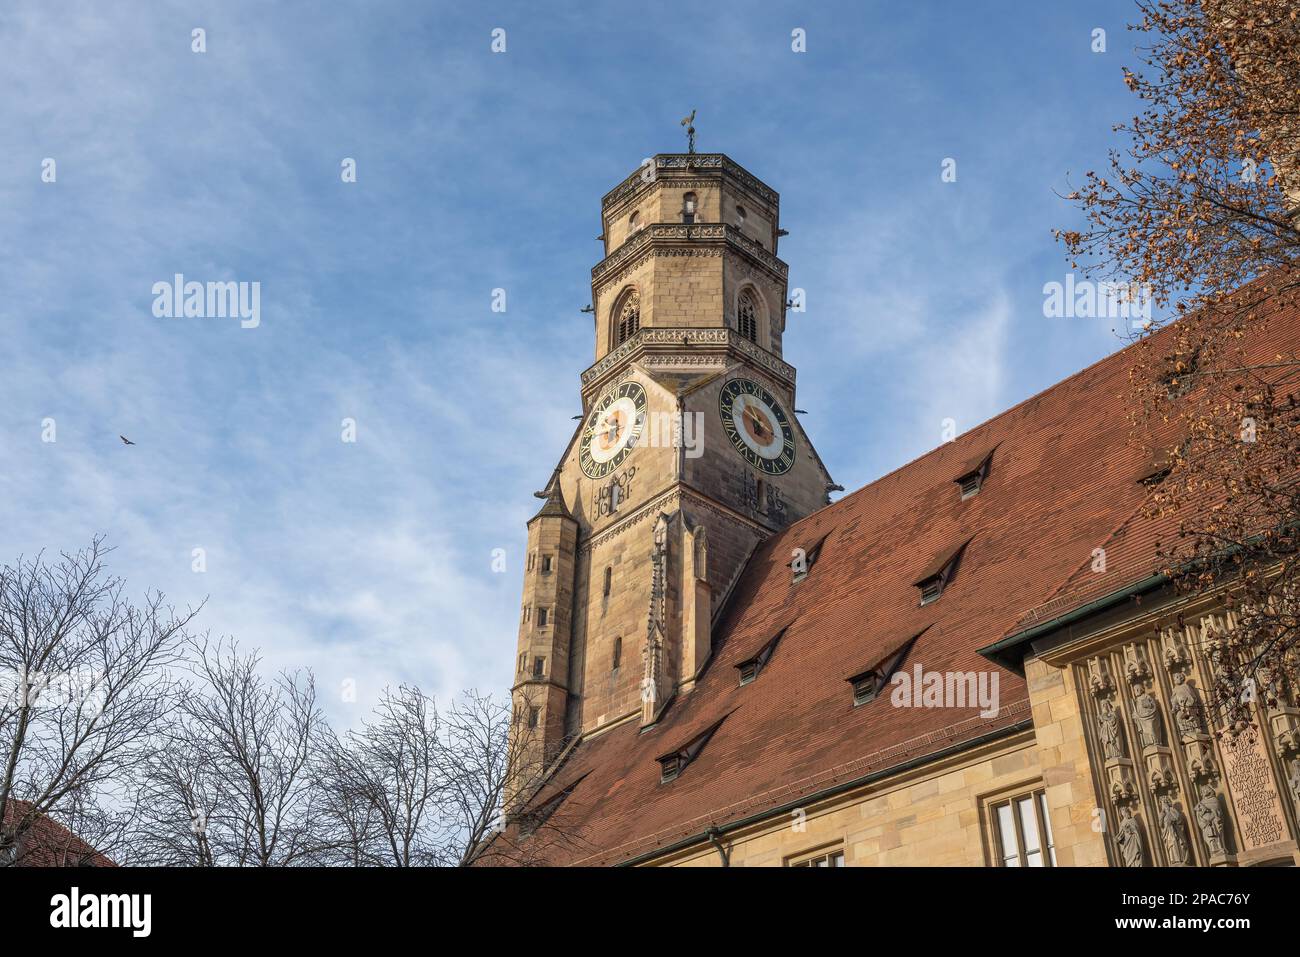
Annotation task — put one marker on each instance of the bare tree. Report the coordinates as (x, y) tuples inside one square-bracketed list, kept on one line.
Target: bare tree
[(386, 781), (233, 781), (415, 787), (490, 760), (86, 686)]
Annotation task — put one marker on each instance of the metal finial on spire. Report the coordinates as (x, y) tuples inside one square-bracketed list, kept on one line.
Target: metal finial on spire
[(689, 123)]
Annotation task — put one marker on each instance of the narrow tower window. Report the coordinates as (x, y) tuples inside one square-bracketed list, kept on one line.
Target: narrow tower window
[(609, 579), (747, 316), (689, 204), (618, 652), (740, 217), (629, 318), (539, 667)]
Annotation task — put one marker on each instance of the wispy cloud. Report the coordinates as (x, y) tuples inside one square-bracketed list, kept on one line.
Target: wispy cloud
[(371, 561)]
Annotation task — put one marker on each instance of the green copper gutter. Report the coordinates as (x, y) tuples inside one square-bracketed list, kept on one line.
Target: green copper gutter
[(998, 652), (713, 832)]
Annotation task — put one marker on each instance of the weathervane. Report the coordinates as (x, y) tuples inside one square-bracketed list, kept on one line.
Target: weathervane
[(689, 123)]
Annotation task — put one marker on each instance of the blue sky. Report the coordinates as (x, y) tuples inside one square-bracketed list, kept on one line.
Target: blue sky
[(371, 561)]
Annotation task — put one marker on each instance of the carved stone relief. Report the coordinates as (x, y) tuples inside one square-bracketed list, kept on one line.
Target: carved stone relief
[(1159, 757)]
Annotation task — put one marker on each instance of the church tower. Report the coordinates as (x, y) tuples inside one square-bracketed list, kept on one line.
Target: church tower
[(688, 455)]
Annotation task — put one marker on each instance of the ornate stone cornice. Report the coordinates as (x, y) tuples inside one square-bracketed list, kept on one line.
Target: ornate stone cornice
[(681, 345), (688, 163), (666, 238), (669, 500)]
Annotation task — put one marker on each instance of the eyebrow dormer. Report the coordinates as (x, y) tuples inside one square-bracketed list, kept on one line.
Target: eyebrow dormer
[(971, 478), (939, 573), (751, 666), (672, 764)]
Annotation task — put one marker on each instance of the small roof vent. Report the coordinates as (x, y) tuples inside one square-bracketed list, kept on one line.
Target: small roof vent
[(672, 764), (971, 478), (939, 574)]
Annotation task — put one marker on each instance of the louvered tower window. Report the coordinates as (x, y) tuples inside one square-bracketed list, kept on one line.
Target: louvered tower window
[(629, 318), (747, 316)]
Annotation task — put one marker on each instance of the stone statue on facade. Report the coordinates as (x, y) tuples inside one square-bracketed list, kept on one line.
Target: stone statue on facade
[(1209, 818), (1146, 714), (1186, 706), (1128, 836), (1173, 829), (1112, 734)]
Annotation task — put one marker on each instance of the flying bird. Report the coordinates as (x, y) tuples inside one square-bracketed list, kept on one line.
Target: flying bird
[(125, 440)]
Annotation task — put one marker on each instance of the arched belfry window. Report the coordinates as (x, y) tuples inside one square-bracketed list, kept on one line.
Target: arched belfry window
[(690, 205), (628, 319), (747, 315)]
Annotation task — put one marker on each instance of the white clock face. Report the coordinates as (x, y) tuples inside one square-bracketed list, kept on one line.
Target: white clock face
[(612, 429)]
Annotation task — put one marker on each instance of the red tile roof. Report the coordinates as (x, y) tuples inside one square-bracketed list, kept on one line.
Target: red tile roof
[(1062, 483), (47, 843)]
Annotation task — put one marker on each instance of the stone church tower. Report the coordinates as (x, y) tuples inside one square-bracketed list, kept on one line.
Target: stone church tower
[(688, 455)]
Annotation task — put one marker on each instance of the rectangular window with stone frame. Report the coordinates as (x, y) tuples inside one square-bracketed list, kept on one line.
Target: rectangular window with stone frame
[(827, 857), (1020, 830)]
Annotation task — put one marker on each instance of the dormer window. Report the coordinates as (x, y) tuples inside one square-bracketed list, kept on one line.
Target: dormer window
[(802, 562), (931, 589), (672, 764), (1180, 371), (868, 684), (689, 204), (530, 822), (1159, 466), (866, 687), (971, 480), (750, 667), (940, 573)]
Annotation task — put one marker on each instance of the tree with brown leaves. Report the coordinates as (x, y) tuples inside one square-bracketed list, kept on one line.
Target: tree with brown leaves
[(1201, 213)]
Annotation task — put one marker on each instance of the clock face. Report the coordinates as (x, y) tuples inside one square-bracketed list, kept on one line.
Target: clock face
[(612, 429), (757, 426)]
